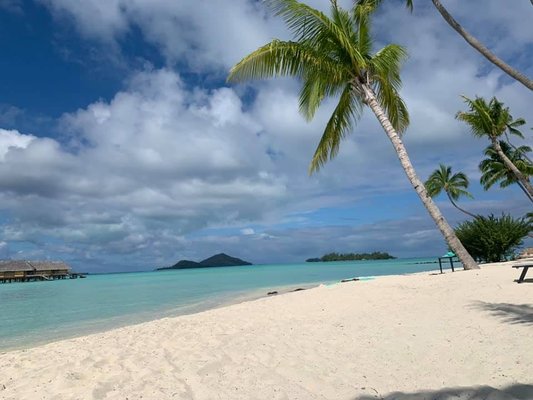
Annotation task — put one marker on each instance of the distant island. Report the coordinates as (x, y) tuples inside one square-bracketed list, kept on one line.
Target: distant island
[(376, 255), (218, 260)]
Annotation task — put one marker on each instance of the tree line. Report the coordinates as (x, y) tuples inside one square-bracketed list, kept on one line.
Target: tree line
[(376, 255)]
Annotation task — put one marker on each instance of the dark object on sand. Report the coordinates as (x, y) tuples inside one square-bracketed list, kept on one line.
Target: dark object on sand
[(297, 290), (524, 271), (349, 280), (271, 293)]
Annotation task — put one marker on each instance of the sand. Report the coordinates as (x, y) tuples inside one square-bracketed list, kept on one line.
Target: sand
[(462, 335)]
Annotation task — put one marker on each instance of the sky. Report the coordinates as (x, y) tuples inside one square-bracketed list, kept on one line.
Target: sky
[(122, 147)]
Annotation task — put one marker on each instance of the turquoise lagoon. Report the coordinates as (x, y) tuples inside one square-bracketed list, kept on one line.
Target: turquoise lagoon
[(39, 312)]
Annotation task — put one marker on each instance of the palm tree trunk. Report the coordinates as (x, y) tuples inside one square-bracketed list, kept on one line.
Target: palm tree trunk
[(476, 44), (511, 167), (459, 208), (523, 188), (447, 231)]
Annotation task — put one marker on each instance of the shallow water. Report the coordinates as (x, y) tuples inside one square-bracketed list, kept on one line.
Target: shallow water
[(39, 312)]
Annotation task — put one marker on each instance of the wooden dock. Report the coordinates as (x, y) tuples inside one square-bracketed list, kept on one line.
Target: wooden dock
[(38, 277)]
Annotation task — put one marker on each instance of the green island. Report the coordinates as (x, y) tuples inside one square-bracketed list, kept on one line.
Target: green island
[(376, 255), (218, 260)]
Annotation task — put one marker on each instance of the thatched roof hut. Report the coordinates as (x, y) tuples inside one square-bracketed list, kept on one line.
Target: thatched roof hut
[(15, 265), (36, 266), (24, 270), (49, 265)]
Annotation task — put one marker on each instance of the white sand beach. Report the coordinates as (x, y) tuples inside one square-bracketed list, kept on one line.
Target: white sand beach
[(398, 337)]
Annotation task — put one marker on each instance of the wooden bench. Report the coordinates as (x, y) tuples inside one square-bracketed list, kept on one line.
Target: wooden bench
[(526, 266)]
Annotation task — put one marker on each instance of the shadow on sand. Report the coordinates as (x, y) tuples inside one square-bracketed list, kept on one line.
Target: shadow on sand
[(513, 392), (511, 313)]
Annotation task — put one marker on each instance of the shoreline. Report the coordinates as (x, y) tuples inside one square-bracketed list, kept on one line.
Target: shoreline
[(187, 310), (396, 337), (227, 301), (197, 308)]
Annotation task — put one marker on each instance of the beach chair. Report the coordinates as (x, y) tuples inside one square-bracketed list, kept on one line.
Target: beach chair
[(525, 260)]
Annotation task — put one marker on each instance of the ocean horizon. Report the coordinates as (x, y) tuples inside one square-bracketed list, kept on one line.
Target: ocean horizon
[(36, 313)]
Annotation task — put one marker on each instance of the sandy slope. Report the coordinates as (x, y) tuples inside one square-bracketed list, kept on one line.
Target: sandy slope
[(415, 335)]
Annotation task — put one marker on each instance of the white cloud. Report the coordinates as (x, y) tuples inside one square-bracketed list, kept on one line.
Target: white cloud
[(141, 174), (10, 140), (187, 29)]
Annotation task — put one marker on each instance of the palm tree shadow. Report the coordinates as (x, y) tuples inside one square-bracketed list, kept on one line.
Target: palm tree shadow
[(511, 313), (513, 392)]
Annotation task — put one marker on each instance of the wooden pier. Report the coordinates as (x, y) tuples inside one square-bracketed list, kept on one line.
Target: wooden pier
[(32, 271)]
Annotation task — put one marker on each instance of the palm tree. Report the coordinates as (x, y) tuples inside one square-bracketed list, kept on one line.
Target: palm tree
[(469, 38), (476, 44), (332, 56), (492, 120), (454, 185), (494, 170)]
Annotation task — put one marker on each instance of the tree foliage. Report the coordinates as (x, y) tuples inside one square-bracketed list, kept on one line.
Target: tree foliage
[(492, 120), (493, 239), (376, 255), (333, 57), (494, 170), (489, 119), (454, 185), (442, 179)]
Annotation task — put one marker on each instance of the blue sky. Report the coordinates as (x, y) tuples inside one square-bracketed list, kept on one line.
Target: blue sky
[(122, 148)]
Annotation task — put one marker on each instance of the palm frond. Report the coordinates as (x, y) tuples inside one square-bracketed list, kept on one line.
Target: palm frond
[(314, 27), (371, 5), (490, 119), (385, 71), (514, 124), (386, 64), (456, 193), (493, 170), (346, 114), (393, 105), (331, 56), (360, 36), (442, 179), (282, 58), (478, 116), (361, 14), (433, 188), (315, 89)]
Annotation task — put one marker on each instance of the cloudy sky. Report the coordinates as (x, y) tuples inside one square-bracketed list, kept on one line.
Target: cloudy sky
[(122, 147)]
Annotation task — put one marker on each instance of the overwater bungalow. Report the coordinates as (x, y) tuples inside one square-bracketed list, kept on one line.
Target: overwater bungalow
[(26, 271)]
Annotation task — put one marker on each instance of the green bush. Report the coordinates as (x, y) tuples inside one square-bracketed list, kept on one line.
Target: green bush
[(493, 239)]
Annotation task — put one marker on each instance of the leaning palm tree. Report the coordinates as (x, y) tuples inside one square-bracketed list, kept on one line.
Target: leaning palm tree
[(476, 44), (468, 37), (494, 171), (454, 185), (332, 56), (492, 120)]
